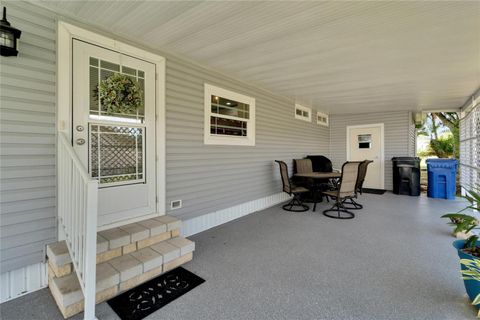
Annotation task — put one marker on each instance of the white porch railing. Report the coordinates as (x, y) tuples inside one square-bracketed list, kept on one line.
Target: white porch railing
[(77, 213)]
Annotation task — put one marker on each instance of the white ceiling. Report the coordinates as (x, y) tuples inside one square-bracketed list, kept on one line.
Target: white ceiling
[(340, 57)]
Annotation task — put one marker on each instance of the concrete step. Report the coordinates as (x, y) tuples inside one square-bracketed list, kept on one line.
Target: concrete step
[(121, 273), (115, 242)]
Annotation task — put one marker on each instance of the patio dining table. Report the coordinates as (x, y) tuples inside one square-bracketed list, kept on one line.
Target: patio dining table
[(318, 176)]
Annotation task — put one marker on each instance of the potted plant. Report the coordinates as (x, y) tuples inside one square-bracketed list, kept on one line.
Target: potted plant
[(467, 249), (471, 272)]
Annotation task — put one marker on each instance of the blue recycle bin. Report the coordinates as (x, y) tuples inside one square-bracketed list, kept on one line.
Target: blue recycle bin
[(442, 178)]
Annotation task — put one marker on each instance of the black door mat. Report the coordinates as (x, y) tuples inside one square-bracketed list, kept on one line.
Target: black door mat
[(141, 301), (374, 191)]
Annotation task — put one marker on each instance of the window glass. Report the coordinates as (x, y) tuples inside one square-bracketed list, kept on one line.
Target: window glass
[(228, 127), (223, 106), (364, 141)]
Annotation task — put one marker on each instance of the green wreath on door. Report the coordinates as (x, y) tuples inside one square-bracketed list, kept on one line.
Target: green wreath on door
[(119, 94)]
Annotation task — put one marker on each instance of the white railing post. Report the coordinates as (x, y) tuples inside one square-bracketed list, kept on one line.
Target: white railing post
[(77, 212), (90, 249)]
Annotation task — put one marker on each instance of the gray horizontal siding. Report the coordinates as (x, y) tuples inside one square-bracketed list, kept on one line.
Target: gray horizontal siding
[(27, 141), (397, 127), (210, 178)]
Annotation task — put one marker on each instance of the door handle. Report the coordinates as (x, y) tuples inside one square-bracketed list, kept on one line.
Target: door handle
[(80, 141), (79, 128)]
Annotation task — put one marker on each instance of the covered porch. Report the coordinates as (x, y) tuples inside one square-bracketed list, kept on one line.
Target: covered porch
[(394, 260), (128, 127)]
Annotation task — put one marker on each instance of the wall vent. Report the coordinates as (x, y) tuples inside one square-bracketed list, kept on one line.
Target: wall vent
[(175, 204)]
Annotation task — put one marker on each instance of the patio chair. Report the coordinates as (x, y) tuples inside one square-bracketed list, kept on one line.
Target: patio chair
[(303, 165), (346, 190), (352, 204), (292, 190), (315, 186)]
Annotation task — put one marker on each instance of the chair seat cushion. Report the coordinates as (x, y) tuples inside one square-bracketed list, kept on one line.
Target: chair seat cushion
[(299, 190)]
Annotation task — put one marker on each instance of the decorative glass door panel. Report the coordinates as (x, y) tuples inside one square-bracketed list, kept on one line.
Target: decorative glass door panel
[(101, 70), (114, 129), (116, 154)]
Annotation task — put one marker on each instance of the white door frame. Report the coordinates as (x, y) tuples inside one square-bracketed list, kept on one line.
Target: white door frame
[(382, 146), (66, 33)]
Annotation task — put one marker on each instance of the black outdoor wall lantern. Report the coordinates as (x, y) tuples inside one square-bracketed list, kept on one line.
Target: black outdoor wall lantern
[(8, 37)]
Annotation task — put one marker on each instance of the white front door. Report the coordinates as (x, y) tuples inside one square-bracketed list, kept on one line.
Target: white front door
[(366, 143), (117, 148)]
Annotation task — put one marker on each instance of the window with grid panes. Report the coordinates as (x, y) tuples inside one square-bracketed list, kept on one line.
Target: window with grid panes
[(229, 117)]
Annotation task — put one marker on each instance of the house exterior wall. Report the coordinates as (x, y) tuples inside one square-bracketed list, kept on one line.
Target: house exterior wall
[(28, 137), (207, 178), (212, 177), (398, 136)]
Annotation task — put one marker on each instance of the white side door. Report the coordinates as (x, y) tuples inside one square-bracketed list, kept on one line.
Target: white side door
[(118, 149), (366, 142)]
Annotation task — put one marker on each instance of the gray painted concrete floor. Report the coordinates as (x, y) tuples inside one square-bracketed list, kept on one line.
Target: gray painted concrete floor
[(393, 261)]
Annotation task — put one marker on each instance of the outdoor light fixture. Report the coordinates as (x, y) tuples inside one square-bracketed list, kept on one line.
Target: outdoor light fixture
[(8, 37)]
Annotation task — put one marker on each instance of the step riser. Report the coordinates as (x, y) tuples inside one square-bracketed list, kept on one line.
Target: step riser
[(60, 271), (66, 269), (124, 238), (127, 256), (77, 307)]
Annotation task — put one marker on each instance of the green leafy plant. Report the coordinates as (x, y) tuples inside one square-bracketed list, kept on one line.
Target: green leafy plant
[(466, 223), (443, 130), (471, 272), (119, 94)]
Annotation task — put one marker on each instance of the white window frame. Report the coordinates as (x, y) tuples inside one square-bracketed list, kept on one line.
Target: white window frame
[(324, 115), (303, 108), (214, 139)]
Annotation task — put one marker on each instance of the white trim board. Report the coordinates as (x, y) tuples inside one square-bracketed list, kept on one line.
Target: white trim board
[(382, 146), (216, 218), (66, 33), (19, 282)]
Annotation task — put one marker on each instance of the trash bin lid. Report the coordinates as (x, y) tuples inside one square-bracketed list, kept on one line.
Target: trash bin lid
[(442, 160), (405, 159), (442, 164)]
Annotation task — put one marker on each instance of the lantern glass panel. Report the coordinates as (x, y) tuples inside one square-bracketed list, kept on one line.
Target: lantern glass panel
[(6, 39)]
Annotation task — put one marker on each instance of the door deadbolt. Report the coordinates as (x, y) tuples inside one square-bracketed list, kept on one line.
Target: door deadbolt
[(80, 141), (79, 128)]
